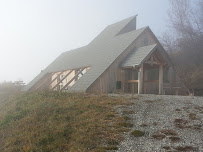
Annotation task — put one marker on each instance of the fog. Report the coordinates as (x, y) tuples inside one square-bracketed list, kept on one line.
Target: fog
[(34, 32)]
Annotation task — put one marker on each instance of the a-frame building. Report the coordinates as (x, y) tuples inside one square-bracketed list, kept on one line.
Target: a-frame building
[(120, 59)]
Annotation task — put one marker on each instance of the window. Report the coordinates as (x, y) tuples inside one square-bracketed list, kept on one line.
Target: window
[(62, 76), (153, 74), (132, 74), (67, 78), (118, 84), (165, 75)]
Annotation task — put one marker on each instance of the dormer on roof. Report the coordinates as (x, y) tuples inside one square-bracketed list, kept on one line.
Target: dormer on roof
[(131, 26)]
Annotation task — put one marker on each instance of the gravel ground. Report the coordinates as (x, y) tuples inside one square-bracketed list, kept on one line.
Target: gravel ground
[(169, 123)]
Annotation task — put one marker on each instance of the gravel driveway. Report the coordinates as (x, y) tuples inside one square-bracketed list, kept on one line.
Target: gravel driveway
[(169, 123)]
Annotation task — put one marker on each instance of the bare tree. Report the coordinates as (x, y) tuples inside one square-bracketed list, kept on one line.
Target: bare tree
[(184, 18), (184, 40)]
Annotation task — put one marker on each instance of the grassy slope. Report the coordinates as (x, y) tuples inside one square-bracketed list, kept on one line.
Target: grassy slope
[(60, 122)]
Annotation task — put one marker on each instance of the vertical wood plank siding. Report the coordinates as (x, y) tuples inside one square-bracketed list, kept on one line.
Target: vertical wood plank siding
[(106, 83)]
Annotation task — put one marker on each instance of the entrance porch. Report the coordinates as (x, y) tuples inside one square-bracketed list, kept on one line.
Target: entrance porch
[(145, 79)]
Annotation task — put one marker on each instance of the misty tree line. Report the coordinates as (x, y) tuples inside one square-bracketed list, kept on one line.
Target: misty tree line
[(9, 86), (184, 40)]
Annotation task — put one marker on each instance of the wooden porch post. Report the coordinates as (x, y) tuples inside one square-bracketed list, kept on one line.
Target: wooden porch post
[(140, 80), (161, 79), (123, 80)]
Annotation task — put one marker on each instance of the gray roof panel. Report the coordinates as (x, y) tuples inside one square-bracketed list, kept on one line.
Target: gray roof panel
[(138, 56), (98, 54)]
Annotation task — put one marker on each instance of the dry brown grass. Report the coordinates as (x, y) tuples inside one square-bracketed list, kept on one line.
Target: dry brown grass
[(143, 125), (199, 108), (186, 148), (155, 123), (126, 112), (158, 136), (177, 109), (180, 123), (174, 139), (153, 101), (51, 121), (166, 147), (197, 126), (169, 132)]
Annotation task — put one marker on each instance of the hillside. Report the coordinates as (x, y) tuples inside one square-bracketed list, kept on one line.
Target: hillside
[(47, 122), (60, 122)]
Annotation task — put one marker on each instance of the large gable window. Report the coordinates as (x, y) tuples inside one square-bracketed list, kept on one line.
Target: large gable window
[(66, 79), (153, 74)]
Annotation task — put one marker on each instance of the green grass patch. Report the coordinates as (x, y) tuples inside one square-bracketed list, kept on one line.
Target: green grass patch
[(126, 124), (111, 148), (53, 121), (126, 118), (126, 112), (192, 116), (13, 117), (143, 125), (137, 133)]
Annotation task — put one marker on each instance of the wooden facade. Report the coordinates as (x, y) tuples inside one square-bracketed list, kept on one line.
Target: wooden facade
[(141, 67), (135, 79)]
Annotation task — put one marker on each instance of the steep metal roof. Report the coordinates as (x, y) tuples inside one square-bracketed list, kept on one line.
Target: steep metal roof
[(138, 56), (98, 54)]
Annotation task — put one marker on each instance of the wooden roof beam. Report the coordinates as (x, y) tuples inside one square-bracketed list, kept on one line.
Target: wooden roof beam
[(49, 76), (80, 72), (62, 79)]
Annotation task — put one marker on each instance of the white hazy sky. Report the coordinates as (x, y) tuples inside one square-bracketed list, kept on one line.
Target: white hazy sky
[(34, 32)]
